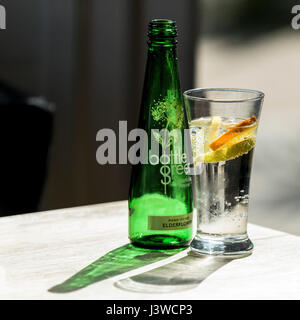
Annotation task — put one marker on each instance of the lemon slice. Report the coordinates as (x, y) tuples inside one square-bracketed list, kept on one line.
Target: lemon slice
[(212, 132), (229, 151), (245, 127)]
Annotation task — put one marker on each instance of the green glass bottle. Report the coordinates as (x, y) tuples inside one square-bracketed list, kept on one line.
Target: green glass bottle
[(160, 197)]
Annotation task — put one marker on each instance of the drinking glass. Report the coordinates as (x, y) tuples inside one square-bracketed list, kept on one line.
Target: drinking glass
[(222, 126)]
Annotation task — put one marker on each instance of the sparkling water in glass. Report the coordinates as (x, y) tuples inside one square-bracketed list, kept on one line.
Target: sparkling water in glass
[(223, 125)]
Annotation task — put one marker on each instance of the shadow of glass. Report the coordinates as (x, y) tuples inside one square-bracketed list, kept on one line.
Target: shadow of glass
[(113, 263), (183, 274)]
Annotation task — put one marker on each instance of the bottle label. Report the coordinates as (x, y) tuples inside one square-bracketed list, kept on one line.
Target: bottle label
[(170, 222)]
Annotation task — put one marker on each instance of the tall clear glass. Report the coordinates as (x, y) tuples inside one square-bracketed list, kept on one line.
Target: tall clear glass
[(223, 125)]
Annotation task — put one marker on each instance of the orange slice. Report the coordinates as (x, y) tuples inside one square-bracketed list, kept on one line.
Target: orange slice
[(233, 132)]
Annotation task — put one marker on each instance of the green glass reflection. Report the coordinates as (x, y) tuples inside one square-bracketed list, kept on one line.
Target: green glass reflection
[(115, 262)]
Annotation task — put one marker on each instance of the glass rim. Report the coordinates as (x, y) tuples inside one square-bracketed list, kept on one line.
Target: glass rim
[(258, 95)]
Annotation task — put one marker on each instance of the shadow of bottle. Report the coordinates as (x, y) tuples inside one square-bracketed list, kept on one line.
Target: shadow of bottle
[(183, 274), (113, 263)]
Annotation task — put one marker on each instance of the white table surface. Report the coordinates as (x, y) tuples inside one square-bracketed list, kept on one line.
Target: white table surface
[(41, 250)]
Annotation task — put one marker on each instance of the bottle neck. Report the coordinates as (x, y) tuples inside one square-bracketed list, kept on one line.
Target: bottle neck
[(162, 84), (162, 42), (162, 61), (163, 53), (162, 33), (162, 78)]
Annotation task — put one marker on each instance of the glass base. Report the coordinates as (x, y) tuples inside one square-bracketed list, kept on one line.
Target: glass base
[(222, 246)]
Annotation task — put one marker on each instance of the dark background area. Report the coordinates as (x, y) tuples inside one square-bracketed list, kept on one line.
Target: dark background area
[(86, 58)]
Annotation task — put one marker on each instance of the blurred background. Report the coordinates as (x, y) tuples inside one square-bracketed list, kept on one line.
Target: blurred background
[(69, 68)]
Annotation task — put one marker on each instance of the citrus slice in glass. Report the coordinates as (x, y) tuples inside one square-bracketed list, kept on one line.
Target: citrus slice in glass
[(232, 144), (245, 127), (212, 132), (230, 151)]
